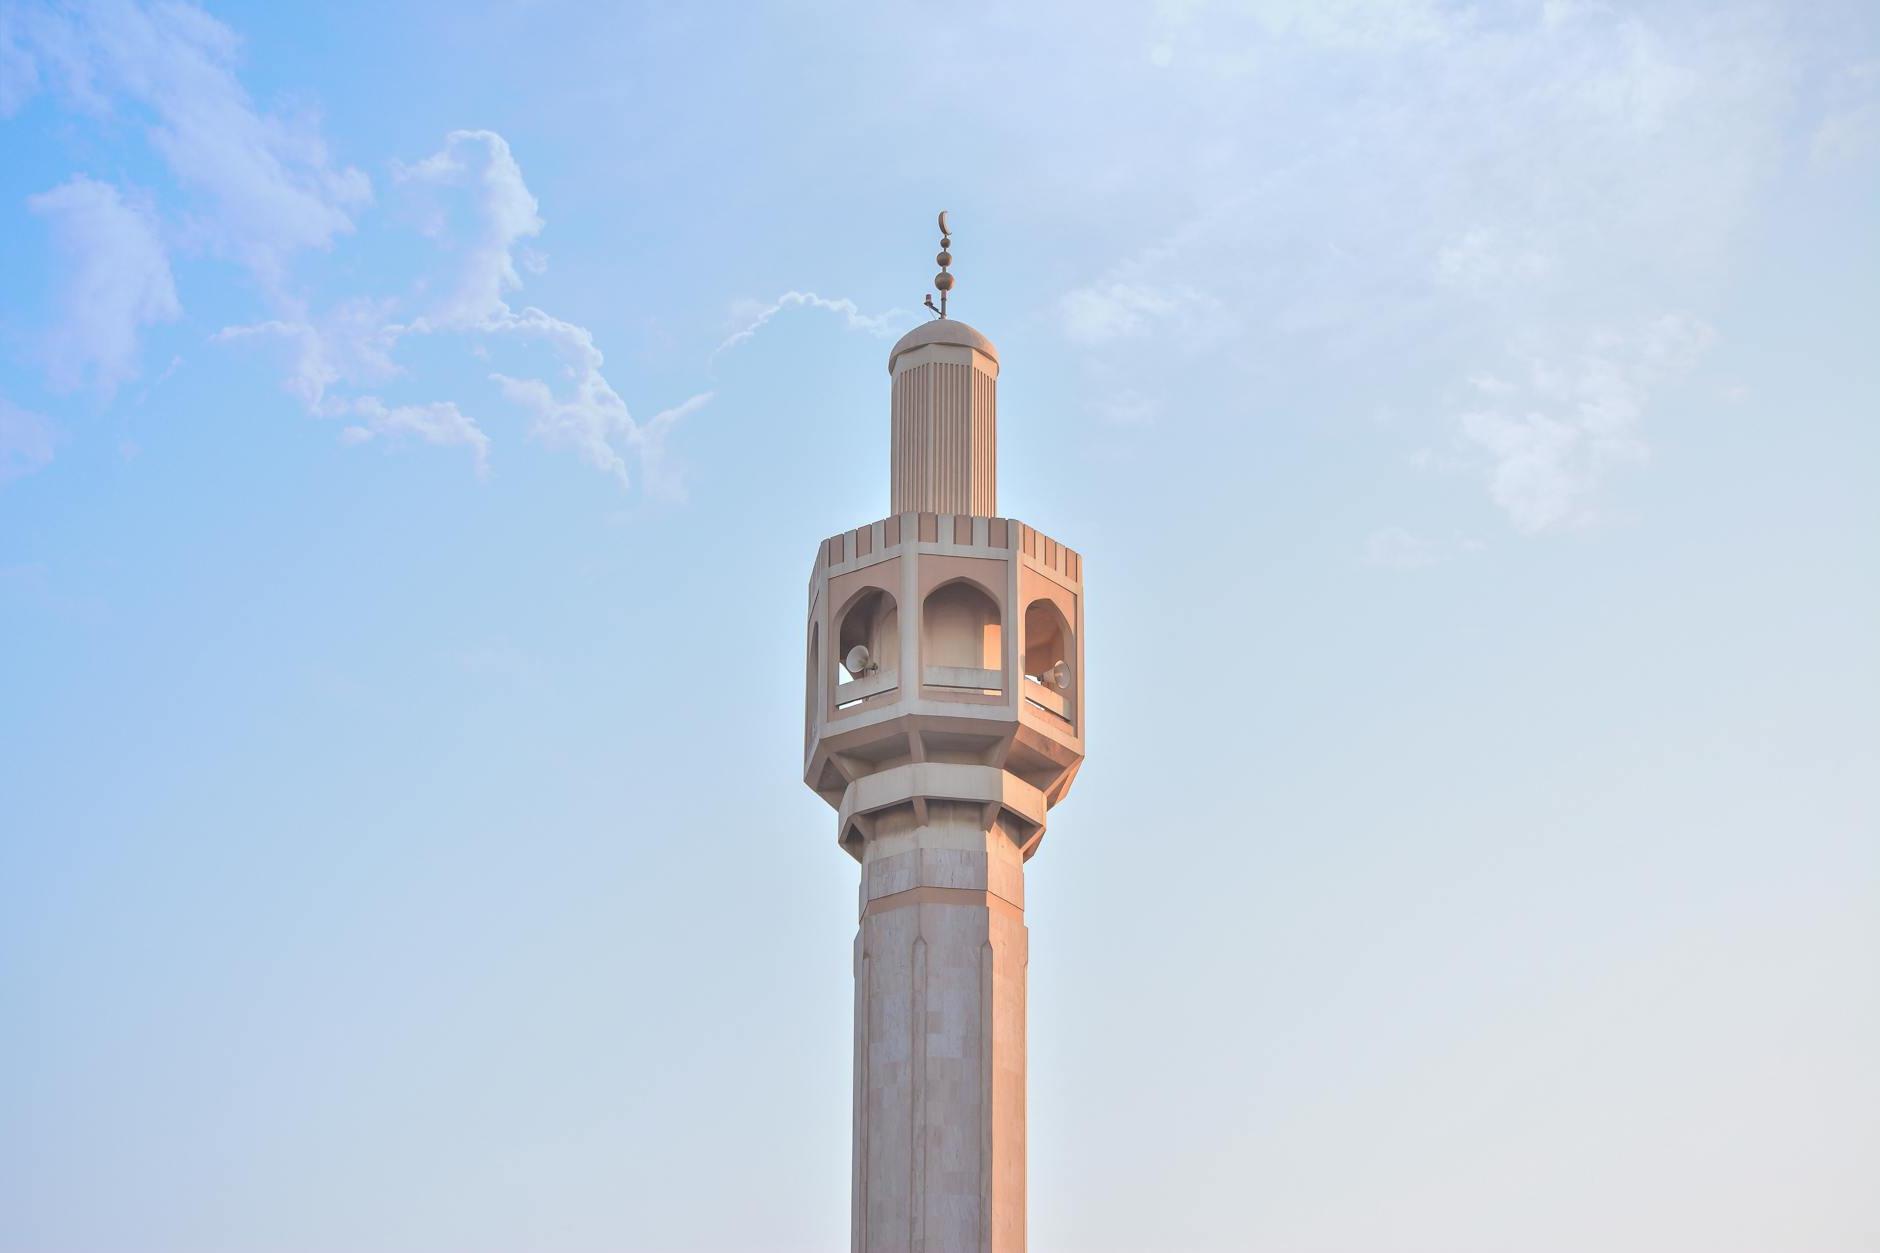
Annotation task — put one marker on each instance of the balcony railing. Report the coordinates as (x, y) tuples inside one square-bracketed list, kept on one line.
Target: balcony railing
[(1047, 698), (965, 678), (856, 690)]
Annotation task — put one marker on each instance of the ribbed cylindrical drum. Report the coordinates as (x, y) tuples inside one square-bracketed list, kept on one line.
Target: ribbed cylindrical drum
[(945, 446)]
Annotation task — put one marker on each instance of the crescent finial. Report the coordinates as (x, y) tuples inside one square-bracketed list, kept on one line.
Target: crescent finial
[(943, 281)]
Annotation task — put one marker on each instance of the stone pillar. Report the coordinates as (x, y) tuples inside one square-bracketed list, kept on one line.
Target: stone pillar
[(943, 719), (939, 1149)]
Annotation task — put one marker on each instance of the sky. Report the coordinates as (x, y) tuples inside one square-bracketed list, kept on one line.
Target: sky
[(417, 422)]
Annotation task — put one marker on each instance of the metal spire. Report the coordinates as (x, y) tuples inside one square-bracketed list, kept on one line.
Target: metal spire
[(943, 282)]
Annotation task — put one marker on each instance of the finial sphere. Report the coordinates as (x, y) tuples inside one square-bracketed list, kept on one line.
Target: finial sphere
[(943, 281), (945, 258)]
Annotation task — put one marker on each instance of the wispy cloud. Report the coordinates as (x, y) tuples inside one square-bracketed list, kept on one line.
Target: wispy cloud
[(479, 210), (1549, 441), (261, 188), (1104, 312), (116, 281), (439, 422), (265, 185), (351, 343), (588, 416), (755, 315), (1480, 183), (662, 478)]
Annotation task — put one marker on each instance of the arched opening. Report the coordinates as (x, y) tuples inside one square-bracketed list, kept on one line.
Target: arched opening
[(869, 636), (962, 643), (1050, 658), (871, 621)]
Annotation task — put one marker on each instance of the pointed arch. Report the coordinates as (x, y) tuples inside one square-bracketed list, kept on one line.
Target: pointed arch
[(962, 637), (870, 620), (1049, 658)]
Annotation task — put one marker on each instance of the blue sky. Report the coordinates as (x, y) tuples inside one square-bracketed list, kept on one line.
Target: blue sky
[(1468, 415)]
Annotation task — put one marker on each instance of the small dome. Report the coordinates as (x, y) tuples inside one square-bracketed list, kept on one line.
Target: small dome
[(941, 331)]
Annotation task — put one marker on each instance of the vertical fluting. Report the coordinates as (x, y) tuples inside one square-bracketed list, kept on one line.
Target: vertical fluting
[(944, 457)]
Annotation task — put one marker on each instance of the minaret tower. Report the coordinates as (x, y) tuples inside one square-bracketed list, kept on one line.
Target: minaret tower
[(945, 718)]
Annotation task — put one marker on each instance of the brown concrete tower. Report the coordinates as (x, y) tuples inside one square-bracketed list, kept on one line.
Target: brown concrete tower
[(945, 717)]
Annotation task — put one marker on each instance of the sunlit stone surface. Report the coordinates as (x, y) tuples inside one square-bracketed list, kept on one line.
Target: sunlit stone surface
[(944, 718)]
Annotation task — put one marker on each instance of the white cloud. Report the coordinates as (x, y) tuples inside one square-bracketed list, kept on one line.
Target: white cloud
[(269, 187), (351, 344), (1411, 186), (117, 281), (479, 213), (504, 212), (1548, 447), (1095, 315), (1541, 467), (25, 441), (661, 478), (754, 315), (439, 423), (588, 416), (1104, 312)]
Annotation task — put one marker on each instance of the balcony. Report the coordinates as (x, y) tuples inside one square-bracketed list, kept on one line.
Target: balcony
[(855, 691), (964, 678), (1047, 697)]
